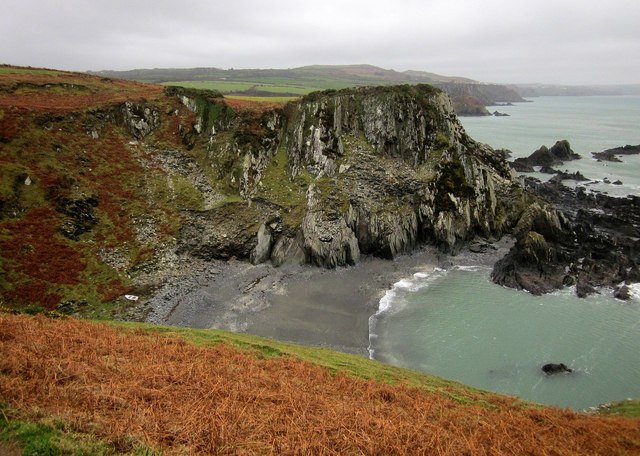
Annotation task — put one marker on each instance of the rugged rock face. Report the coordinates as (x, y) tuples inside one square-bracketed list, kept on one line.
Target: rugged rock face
[(387, 168), (366, 171), (140, 119)]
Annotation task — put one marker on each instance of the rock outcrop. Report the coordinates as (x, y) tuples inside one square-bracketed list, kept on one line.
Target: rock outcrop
[(140, 119), (559, 153)]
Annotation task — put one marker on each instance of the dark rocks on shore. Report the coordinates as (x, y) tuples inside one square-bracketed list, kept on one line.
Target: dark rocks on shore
[(582, 239), (500, 114), (622, 292), (564, 175), (521, 166), (610, 154), (553, 368)]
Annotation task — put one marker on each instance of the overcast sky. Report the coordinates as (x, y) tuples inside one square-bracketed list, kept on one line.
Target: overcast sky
[(549, 41)]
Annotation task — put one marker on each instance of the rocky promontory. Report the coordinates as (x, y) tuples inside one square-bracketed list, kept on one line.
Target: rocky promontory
[(610, 154), (133, 179), (372, 171)]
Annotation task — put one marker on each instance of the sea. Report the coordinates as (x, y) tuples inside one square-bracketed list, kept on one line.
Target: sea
[(455, 323)]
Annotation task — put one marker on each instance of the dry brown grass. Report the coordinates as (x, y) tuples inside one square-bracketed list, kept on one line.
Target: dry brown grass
[(222, 400), (69, 92)]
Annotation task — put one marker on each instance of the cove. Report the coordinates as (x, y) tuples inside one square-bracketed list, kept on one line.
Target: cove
[(458, 325)]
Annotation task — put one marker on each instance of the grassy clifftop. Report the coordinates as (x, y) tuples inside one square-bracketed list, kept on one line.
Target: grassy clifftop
[(98, 389)]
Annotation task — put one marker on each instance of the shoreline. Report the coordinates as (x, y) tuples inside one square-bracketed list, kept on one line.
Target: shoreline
[(302, 304)]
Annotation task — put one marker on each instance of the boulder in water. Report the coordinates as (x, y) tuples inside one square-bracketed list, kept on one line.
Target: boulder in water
[(553, 368)]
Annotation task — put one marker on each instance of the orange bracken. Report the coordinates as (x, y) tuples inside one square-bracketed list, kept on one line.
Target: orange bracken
[(221, 400)]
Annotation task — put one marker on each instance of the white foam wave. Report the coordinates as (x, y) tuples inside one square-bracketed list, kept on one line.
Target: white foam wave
[(467, 268), (391, 302), (385, 302), (406, 284), (634, 290)]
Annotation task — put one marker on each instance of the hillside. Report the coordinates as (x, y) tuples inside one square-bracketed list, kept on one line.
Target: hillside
[(470, 97), (316, 76), (109, 186), (86, 388)]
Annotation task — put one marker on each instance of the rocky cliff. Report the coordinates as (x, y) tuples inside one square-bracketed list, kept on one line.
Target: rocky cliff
[(363, 171), (125, 179)]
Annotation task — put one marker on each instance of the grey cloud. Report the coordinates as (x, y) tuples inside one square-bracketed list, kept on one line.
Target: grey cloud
[(561, 41)]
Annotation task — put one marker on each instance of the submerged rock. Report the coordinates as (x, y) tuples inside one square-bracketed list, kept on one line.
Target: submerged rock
[(553, 368)]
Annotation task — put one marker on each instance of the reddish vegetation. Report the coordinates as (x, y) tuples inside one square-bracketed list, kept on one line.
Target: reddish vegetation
[(111, 290), (12, 120), (68, 92), (43, 255), (185, 399), (46, 121)]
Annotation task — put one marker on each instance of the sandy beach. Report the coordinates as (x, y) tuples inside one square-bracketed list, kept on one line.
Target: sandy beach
[(301, 304)]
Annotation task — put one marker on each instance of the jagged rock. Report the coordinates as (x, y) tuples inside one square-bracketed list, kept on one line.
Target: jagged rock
[(140, 119), (368, 171), (328, 241), (534, 263), (521, 166), (414, 126), (546, 169), (595, 243), (262, 250), (545, 157)]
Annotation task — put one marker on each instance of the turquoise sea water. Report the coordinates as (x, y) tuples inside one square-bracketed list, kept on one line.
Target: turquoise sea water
[(590, 124), (459, 325)]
